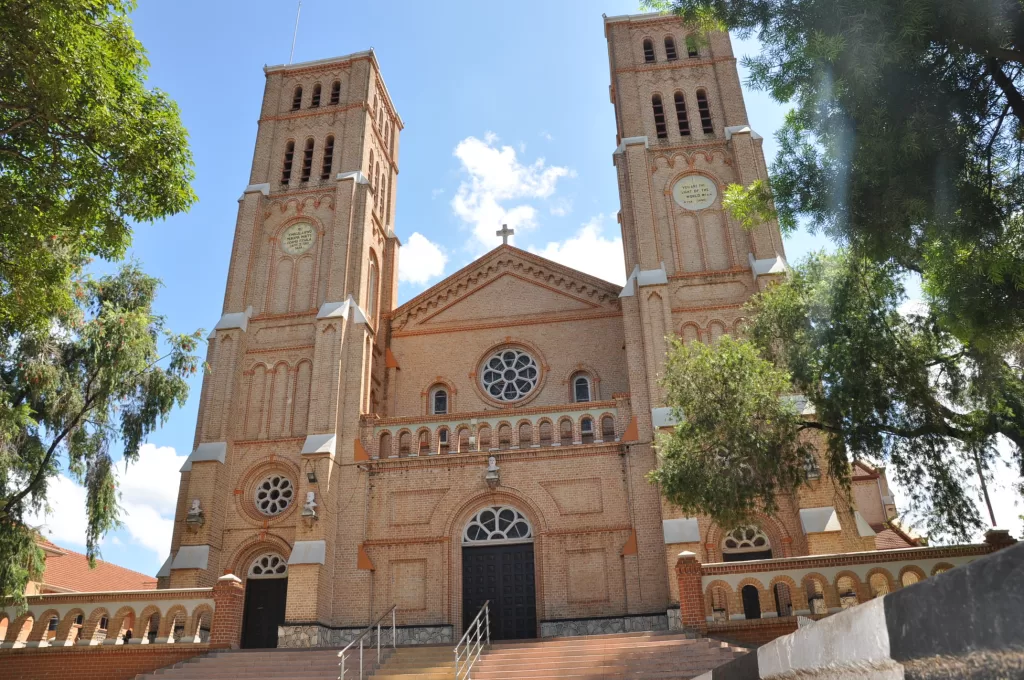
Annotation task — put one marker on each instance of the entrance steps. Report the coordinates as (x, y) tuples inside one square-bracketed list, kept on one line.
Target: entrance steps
[(636, 656)]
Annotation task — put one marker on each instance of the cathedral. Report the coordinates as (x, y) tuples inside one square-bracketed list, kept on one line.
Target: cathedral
[(489, 439)]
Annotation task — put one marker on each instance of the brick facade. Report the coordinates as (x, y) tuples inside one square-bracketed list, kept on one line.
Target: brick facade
[(318, 377)]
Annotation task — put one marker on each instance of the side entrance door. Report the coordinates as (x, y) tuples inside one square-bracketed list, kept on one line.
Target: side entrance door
[(504, 575), (264, 611)]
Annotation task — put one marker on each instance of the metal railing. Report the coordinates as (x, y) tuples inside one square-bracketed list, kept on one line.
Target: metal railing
[(477, 637), (343, 654)]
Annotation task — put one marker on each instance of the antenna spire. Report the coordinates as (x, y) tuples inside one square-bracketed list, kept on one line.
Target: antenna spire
[(295, 32)]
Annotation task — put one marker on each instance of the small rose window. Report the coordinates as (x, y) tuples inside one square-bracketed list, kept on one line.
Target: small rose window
[(509, 375), (497, 523), (274, 495), (270, 565)]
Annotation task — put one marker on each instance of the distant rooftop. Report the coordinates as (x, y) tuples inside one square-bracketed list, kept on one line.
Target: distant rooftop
[(68, 571)]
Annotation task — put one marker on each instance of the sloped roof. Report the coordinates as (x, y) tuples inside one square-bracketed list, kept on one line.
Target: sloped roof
[(68, 571), (889, 539)]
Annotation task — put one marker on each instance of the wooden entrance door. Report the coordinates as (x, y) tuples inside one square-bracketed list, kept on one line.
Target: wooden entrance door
[(264, 611), (504, 575)]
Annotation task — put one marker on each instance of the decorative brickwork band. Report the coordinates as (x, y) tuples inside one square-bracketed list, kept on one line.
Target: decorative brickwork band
[(691, 592), (229, 602)]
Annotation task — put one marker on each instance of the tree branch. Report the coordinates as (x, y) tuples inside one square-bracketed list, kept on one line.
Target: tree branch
[(1013, 97)]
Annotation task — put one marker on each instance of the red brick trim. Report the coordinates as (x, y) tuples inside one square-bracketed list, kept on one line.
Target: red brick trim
[(846, 559)]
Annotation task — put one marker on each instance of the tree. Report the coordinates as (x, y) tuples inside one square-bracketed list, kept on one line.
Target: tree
[(91, 379), (738, 443), (85, 149), (904, 145)]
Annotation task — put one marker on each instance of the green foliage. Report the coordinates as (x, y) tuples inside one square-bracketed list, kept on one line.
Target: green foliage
[(85, 148), (91, 379), (738, 444), (752, 205), (890, 383)]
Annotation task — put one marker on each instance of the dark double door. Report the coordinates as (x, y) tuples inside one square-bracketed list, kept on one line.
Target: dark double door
[(504, 575), (264, 611)]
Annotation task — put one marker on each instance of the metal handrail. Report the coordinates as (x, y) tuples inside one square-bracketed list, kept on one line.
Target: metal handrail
[(473, 642), (361, 637)]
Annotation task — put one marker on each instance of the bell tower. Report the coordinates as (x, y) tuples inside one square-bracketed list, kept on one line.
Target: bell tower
[(682, 136), (296, 357)]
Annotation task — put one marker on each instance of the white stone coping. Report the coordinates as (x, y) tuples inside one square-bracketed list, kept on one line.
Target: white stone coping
[(356, 175), (863, 528), (317, 62), (681, 530), (308, 552), (258, 188), (348, 310), (768, 265), (644, 277), (740, 129), (209, 451), (820, 520), (234, 320), (663, 416), (319, 443), (165, 568), (191, 557)]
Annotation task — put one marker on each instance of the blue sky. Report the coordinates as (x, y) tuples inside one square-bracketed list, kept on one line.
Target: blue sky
[(507, 119)]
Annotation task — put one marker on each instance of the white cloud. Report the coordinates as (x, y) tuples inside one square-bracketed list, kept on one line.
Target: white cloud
[(149, 492), (420, 260), (496, 176), (589, 251), (562, 207), (547, 136)]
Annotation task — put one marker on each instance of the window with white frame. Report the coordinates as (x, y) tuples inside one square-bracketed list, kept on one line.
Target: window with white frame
[(269, 565), (581, 392), (509, 374), (498, 523), (439, 401)]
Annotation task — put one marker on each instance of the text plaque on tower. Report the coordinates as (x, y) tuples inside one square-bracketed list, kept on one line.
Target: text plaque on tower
[(695, 192), (297, 238)]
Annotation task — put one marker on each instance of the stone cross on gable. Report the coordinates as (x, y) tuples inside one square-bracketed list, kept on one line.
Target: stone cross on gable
[(504, 233)]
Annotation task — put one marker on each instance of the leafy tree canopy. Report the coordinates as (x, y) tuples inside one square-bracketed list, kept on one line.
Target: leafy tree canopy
[(85, 148)]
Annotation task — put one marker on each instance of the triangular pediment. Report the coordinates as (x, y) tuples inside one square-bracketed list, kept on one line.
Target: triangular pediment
[(507, 283)]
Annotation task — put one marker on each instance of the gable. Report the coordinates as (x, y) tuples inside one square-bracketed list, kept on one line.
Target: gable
[(507, 283)]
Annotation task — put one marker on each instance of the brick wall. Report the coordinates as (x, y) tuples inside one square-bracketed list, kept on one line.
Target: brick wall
[(123, 662), (753, 633)]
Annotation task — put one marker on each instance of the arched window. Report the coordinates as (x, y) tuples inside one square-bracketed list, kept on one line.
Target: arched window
[(746, 543), (325, 170), (783, 600), (289, 156), (297, 98), (751, 602), (336, 92), (371, 290), (691, 48), (424, 442), (587, 430), (659, 117), (497, 524), (545, 433), (404, 444), (384, 450), (504, 436), (525, 436), (670, 48), (307, 160), (681, 117), (442, 440), (268, 565), (464, 440), (370, 170), (581, 388), (483, 435), (608, 428), (815, 596), (719, 605), (565, 432), (879, 585), (847, 592), (909, 578), (648, 51), (315, 100), (705, 112), (438, 401)]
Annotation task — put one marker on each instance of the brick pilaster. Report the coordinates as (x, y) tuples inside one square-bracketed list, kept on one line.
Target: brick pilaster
[(691, 592), (228, 604)]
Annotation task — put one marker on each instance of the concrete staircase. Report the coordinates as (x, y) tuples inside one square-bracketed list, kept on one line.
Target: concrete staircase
[(636, 656)]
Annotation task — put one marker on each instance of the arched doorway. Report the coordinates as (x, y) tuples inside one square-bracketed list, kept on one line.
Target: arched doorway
[(266, 590), (746, 543), (751, 602), (498, 566)]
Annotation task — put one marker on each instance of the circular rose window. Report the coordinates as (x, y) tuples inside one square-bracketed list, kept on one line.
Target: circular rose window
[(509, 375), (274, 495)]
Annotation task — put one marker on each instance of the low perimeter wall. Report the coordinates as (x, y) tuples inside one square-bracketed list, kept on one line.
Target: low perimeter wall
[(92, 663), (965, 623)]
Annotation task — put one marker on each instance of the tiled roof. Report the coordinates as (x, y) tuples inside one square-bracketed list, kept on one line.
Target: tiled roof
[(887, 539), (68, 571)]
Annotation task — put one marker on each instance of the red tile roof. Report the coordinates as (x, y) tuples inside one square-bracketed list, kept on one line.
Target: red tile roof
[(887, 539), (68, 571)]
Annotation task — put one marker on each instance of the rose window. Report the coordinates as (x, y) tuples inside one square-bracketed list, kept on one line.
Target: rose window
[(270, 565), (746, 539), (497, 523), (509, 375), (274, 495)]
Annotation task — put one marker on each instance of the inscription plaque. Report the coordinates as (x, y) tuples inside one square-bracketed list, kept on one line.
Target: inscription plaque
[(297, 238), (695, 192)]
